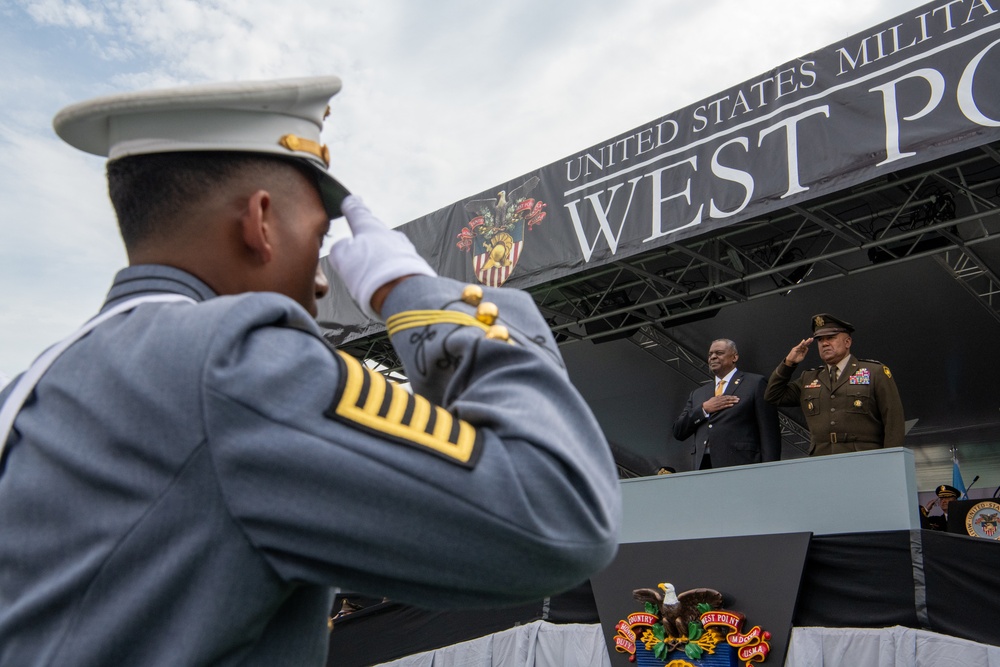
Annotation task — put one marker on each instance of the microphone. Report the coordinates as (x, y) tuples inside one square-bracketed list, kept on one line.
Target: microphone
[(975, 479)]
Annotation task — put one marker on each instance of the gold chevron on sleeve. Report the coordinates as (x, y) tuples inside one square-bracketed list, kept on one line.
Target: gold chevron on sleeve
[(367, 401)]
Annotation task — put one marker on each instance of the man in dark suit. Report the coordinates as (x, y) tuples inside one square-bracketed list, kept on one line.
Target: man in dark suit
[(732, 423)]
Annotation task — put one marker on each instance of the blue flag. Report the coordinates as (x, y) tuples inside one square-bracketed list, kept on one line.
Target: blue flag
[(956, 476)]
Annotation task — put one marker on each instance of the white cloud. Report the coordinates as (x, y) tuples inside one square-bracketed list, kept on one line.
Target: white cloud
[(64, 14), (60, 244)]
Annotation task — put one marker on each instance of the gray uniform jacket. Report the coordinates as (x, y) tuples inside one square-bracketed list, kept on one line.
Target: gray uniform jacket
[(189, 481)]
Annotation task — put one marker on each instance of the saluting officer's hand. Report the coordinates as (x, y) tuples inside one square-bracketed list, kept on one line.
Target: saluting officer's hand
[(375, 259), (717, 403), (798, 353)]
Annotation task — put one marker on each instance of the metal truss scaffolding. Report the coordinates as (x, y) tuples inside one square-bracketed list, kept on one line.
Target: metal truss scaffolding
[(949, 210)]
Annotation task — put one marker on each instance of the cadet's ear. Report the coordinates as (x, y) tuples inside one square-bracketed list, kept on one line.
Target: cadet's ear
[(255, 226)]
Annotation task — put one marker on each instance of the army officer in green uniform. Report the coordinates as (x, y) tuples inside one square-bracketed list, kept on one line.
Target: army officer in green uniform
[(850, 404)]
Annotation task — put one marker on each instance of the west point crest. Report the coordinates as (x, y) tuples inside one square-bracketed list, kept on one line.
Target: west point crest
[(495, 234), (688, 629)]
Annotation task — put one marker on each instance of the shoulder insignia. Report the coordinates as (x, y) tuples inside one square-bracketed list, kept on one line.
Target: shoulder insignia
[(367, 401), (885, 369)]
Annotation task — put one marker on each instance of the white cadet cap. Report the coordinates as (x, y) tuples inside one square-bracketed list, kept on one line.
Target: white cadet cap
[(282, 118)]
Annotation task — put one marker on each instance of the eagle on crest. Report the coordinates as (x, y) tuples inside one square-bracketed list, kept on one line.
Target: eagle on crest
[(496, 233), (677, 611)]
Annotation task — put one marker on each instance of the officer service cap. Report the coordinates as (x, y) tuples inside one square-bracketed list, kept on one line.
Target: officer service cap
[(945, 491), (826, 324), (282, 118)]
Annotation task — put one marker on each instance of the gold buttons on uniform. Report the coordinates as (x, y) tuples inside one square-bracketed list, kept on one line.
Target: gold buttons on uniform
[(498, 332), (487, 313), (472, 294)]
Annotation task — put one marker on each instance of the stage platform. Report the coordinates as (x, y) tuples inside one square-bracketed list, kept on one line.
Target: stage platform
[(868, 565)]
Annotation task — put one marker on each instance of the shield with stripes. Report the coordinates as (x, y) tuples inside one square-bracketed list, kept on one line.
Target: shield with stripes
[(495, 236)]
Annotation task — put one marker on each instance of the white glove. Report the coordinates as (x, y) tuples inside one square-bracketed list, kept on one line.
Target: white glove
[(374, 256)]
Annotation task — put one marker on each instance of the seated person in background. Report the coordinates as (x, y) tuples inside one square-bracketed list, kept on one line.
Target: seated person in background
[(945, 494)]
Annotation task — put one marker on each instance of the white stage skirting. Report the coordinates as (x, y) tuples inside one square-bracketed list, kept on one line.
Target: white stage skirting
[(887, 647), (542, 644), (538, 644)]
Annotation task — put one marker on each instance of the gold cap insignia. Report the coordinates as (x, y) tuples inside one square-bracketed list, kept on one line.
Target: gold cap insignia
[(295, 143), (819, 321)]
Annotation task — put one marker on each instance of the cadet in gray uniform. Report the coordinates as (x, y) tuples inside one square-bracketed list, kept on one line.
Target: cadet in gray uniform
[(185, 481), (854, 410)]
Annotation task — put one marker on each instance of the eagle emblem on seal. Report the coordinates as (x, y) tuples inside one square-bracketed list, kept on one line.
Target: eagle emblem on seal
[(689, 628), (495, 234)]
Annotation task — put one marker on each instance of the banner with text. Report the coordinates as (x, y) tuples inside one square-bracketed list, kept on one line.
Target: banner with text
[(916, 88)]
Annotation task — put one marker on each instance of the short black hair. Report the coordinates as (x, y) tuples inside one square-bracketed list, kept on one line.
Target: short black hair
[(150, 193)]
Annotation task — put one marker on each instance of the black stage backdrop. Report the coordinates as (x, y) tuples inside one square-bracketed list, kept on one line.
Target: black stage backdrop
[(389, 630), (905, 92)]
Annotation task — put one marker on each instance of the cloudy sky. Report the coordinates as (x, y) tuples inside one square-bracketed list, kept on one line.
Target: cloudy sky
[(442, 100)]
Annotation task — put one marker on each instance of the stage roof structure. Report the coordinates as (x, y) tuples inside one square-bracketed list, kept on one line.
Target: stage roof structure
[(862, 180)]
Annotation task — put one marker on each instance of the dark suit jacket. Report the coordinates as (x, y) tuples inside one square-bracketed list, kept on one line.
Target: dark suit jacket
[(748, 432)]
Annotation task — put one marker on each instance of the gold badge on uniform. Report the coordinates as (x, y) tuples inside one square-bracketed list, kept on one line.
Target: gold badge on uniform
[(857, 403), (886, 370), (809, 405)]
